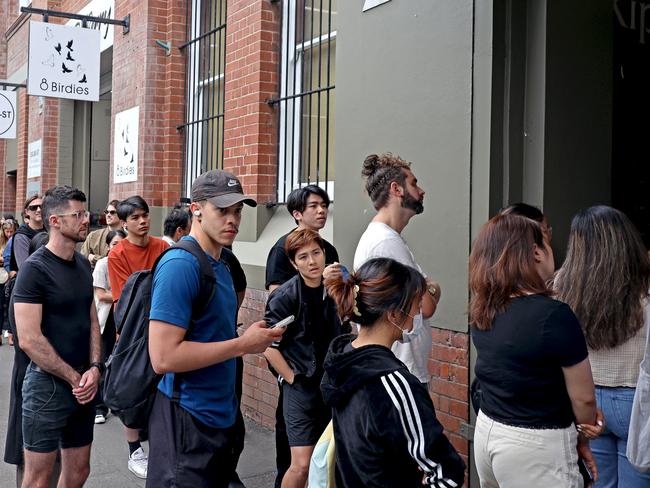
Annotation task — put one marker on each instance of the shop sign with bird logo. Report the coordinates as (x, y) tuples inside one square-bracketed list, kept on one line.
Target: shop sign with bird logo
[(63, 61)]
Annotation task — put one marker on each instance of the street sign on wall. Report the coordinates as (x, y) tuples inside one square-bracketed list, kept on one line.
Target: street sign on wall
[(34, 159), (125, 146), (63, 62), (7, 114)]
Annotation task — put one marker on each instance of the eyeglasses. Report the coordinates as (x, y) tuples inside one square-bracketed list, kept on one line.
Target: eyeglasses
[(110, 212), (34, 208), (79, 215)]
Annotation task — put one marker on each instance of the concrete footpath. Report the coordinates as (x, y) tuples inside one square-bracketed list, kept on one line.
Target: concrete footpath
[(109, 454)]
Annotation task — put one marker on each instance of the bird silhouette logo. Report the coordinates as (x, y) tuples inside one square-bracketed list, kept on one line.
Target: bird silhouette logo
[(69, 46), (83, 80), (65, 69), (57, 48), (69, 57)]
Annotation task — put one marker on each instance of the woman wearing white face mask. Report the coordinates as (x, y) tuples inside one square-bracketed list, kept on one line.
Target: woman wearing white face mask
[(385, 426)]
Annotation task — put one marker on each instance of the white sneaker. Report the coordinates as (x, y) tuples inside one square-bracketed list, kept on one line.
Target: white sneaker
[(100, 419), (5, 334), (138, 462)]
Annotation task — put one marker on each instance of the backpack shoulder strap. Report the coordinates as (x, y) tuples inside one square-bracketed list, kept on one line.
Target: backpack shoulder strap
[(207, 277)]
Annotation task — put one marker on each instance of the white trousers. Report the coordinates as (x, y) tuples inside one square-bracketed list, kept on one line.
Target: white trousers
[(516, 457)]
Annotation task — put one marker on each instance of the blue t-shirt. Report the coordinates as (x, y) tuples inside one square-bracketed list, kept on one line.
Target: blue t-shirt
[(6, 254), (208, 394)]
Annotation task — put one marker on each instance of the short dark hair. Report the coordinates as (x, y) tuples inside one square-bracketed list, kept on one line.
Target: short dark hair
[(113, 203), (58, 199), (297, 199), (178, 217), (301, 238), (113, 233), (127, 207)]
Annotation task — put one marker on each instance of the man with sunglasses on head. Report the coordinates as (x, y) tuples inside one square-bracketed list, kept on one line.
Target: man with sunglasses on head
[(26, 232), (95, 247)]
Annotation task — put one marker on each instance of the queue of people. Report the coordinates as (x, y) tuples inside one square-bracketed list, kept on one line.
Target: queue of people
[(557, 364)]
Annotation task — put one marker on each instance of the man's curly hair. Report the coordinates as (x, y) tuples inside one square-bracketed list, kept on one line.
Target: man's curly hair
[(380, 172)]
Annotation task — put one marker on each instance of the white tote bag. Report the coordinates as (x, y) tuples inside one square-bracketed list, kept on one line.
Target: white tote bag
[(638, 440)]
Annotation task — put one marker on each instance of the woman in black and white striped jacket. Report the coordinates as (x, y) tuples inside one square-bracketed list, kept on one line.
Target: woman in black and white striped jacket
[(385, 427)]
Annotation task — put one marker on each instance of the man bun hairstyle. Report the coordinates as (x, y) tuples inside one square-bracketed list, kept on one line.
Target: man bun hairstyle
[(380, 172), (380, 286), (301, 238)]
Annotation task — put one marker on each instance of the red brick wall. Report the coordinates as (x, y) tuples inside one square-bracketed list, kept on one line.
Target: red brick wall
[(144, 76), (252, 67)]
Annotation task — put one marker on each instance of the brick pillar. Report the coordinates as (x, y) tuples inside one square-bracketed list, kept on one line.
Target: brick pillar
[(252, 67), (144, 76)]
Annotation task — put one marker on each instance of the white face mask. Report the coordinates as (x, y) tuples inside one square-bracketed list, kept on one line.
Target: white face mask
[(407, 335)]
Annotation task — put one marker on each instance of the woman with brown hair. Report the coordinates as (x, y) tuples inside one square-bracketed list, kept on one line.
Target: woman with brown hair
[(385, 427), (532, 362), (605, 279)]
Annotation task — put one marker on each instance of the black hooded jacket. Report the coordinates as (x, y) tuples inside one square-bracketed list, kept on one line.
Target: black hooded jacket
[(385, 425)]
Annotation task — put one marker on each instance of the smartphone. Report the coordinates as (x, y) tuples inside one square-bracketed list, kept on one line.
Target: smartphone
[(284, 322), (587, 477), (345, 273)]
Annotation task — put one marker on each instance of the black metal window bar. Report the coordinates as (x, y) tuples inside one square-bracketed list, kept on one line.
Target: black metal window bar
[(205, 54), (306, 100)]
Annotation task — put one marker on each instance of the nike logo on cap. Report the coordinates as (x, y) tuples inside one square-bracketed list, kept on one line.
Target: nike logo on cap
[(232, 182)]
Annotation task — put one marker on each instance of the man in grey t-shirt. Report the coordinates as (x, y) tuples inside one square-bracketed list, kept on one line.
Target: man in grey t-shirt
[(396, 196)]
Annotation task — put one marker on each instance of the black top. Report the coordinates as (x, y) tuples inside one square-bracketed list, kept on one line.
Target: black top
[(65, 289), (305, 341), (385, 426), (278, 267), (20, 249), (520, 361)]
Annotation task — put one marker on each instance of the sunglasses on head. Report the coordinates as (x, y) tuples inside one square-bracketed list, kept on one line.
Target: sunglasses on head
[(110, 212), (34, 208)]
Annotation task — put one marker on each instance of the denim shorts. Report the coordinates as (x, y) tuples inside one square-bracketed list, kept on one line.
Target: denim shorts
[(52, 417)]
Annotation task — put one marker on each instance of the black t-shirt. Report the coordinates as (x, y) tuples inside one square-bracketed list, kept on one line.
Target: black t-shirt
[(65, 289), (520, 361), (278, 267), (321, 331)]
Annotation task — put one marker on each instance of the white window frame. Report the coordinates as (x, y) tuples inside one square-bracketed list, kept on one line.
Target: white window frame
[(294, 74)]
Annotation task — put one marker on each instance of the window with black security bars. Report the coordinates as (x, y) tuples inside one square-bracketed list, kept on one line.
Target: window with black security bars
[(306, 101), (205, 55)]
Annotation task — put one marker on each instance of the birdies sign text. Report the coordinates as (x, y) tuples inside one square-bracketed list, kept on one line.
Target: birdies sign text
[(63, 62)]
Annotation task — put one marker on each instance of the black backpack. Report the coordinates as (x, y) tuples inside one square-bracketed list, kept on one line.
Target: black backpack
[(130, 383)]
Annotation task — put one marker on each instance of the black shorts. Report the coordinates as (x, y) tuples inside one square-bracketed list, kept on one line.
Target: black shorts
[(185, 452), (52, 417), (305, 413)]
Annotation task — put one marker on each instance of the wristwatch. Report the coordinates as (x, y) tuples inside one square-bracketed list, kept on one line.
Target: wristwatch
[(100, 367)]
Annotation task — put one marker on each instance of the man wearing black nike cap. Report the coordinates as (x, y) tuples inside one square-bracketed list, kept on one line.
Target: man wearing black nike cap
[(191, 438)]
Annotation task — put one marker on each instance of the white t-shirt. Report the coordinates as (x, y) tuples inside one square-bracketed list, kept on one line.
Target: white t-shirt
[(100, 280), (382, 241)]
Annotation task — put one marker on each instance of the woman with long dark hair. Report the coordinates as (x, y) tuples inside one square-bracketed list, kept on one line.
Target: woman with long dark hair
[(385, 427), (605, 279), (532, 362)]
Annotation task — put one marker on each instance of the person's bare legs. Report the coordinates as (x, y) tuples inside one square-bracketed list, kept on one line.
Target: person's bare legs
[(132, 435), (296, 475), (75, 467), (38, 469)]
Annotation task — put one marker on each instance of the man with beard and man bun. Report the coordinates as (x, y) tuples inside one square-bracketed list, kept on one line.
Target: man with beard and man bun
[(395, 194)]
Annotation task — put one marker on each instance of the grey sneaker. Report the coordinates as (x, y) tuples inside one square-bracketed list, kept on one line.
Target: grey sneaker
[(138, 463)]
